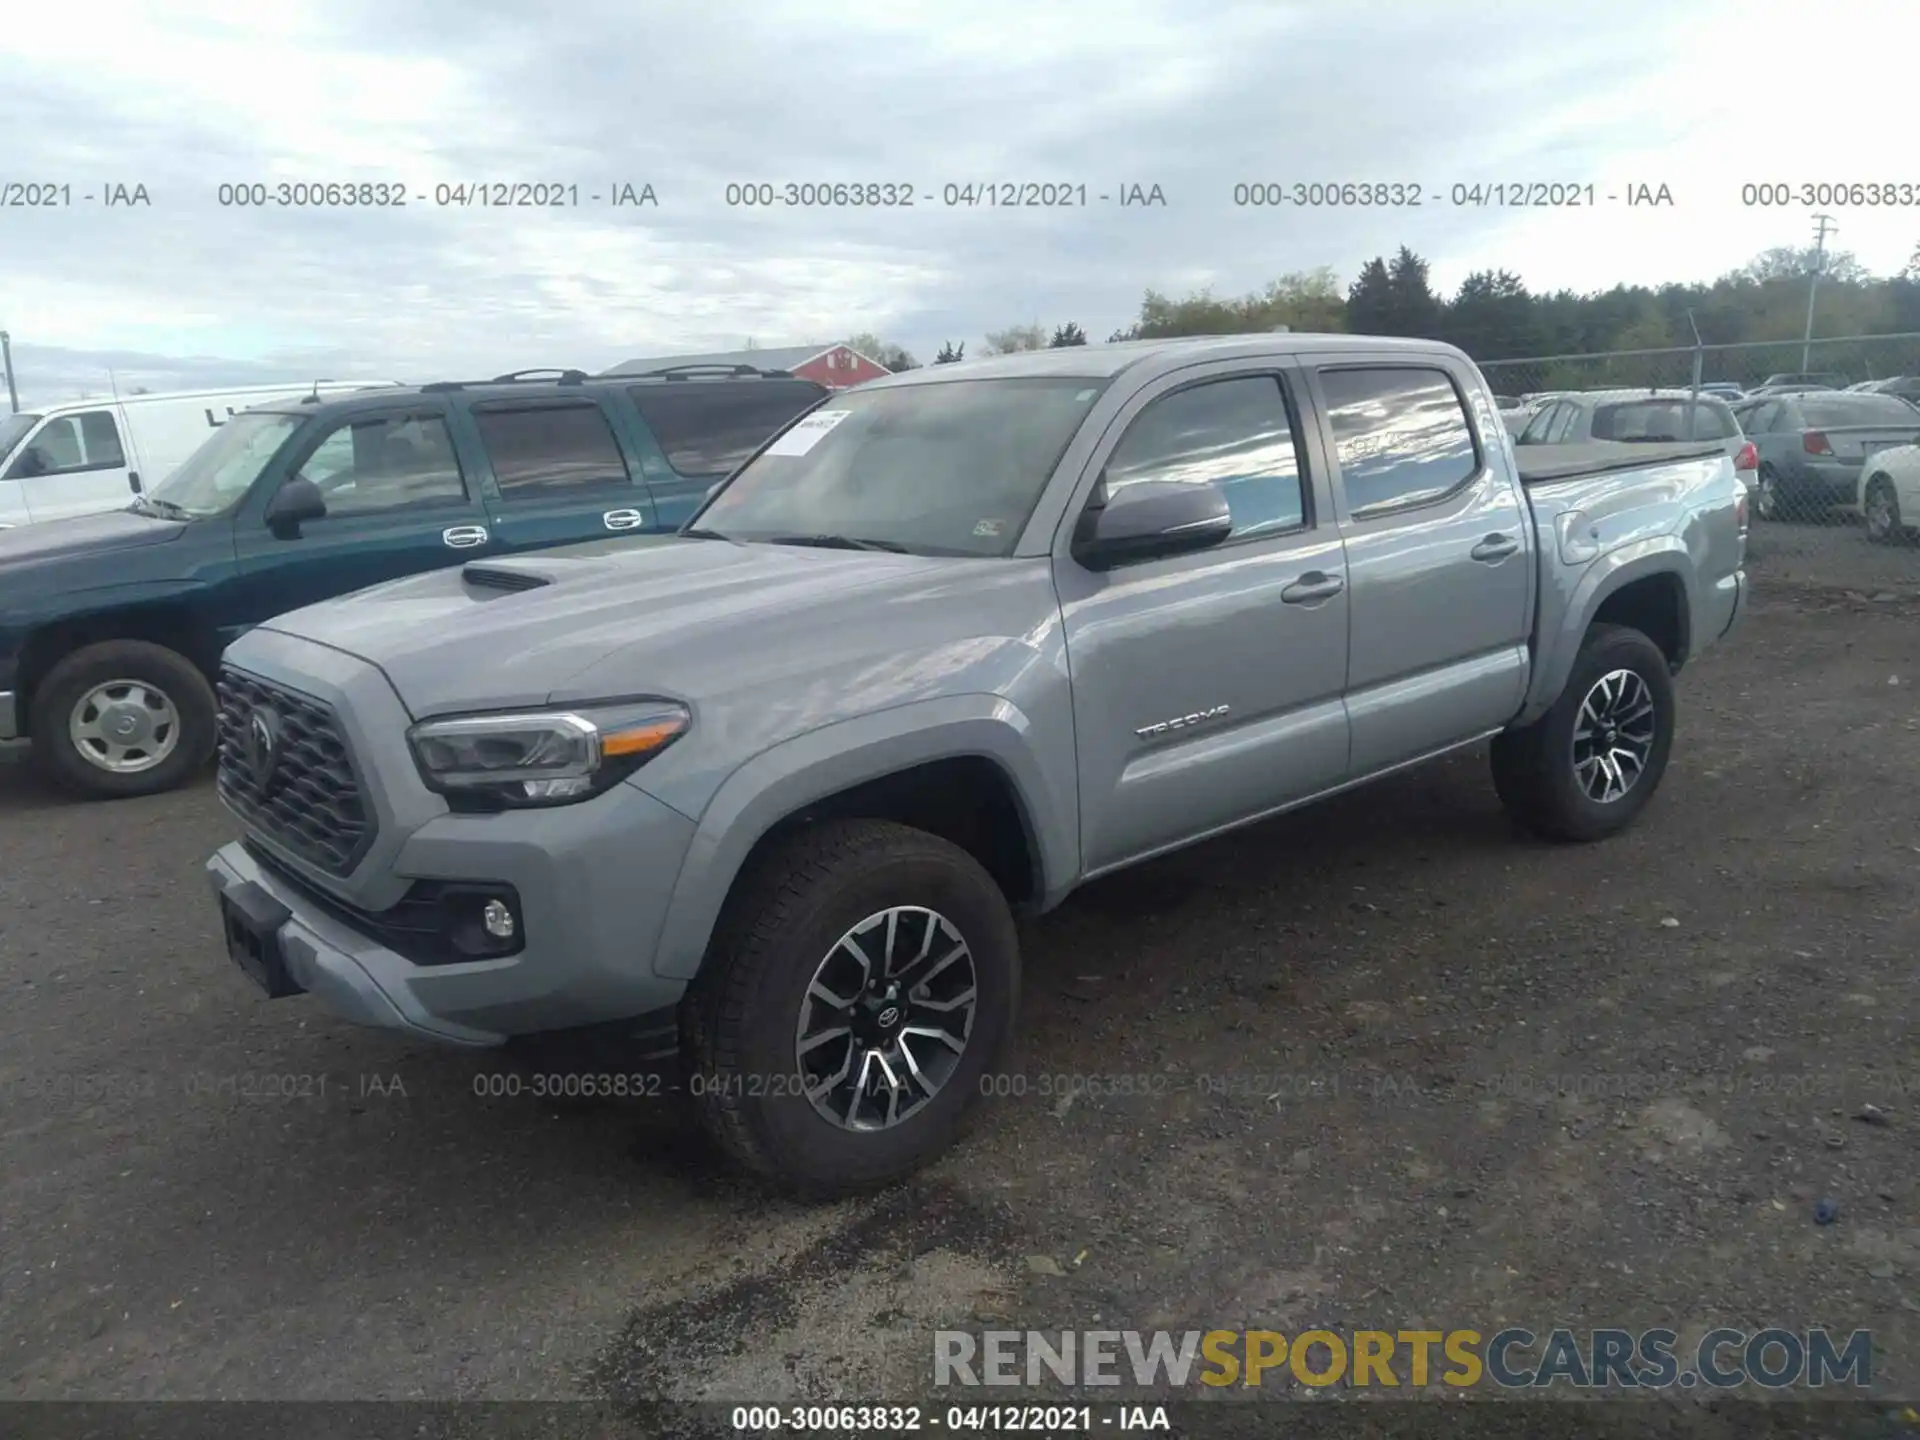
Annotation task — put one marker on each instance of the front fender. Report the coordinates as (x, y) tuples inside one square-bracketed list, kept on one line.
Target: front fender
[(1565, 616), (808, 768)]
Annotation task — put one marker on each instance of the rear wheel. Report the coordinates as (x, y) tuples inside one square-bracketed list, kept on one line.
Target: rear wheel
[(860, 982), (1882, 509), (121, 718), (1766, 495), (1587, 768)]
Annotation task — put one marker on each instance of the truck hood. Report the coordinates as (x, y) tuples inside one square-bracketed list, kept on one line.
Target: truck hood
[(690, 619), (83, 535)]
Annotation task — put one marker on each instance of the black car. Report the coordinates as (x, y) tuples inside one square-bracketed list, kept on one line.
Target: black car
[(112, 625)]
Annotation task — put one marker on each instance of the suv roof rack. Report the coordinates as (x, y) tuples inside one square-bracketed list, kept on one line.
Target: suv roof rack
[(551, 375), (564, 376), (691, 372)]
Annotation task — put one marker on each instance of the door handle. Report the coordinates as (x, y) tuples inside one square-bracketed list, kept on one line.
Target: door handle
[(464, 537), (1312, 586), (623, 519), (1495, 548)]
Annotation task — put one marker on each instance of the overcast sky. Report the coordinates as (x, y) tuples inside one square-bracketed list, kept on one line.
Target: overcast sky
[(1192, 95)]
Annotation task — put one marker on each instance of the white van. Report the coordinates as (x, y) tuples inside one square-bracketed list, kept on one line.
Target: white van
[(89, 455)]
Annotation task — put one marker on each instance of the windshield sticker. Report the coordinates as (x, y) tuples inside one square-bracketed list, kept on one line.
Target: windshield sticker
[(1085, 395), (807, 433), (989, 527)]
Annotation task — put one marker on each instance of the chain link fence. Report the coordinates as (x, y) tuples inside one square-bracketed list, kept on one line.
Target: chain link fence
[(1836, 497)]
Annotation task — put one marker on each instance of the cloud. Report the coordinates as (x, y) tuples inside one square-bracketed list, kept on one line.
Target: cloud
[(1194, 97)]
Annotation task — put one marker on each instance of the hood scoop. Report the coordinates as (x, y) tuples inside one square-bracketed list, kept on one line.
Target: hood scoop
[(498, 575)]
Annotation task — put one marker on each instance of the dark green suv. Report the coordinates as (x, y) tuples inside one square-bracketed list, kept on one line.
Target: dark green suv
[(111, 625)]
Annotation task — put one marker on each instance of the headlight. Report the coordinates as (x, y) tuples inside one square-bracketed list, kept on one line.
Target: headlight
[(544, 757)]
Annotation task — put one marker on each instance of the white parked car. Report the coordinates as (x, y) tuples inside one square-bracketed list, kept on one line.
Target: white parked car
[(85, 456), (1890, 493), (1641, 417)]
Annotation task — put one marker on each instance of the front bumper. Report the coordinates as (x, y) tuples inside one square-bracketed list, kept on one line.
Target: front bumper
[(591, 903), (593, 882)]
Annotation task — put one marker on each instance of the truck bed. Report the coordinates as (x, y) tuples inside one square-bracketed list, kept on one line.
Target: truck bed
[(1541, 464)]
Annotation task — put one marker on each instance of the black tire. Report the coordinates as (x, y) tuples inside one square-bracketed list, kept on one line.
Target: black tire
[(1533, 767), (155, 666), (739, 1021), (1893, 529), (1767, 500)]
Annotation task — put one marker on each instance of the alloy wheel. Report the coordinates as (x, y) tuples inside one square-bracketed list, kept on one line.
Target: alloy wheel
[(1880, 513), (1613, 736), (886, 1018)]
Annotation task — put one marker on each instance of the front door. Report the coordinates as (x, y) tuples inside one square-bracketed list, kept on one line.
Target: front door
[(1207, 686), (398, 503), (76, 464), (1440, 559)]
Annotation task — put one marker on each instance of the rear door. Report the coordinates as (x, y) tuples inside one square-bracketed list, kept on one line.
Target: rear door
[(558, 473), (701, 432), (76, 464), (398, 502), (1439, 556)]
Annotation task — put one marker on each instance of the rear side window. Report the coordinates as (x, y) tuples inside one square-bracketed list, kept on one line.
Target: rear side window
[(540, 451), (1400, 434), (1541, 424), (1663, 420), (710, 430)]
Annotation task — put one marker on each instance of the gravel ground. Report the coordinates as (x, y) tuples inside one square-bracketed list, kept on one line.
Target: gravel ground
[(1380, 1063)]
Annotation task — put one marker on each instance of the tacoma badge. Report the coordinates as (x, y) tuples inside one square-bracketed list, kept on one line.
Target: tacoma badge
[(1181, 722)]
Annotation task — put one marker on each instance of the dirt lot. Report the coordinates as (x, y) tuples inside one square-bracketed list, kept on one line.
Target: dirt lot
[(1373, 1065)]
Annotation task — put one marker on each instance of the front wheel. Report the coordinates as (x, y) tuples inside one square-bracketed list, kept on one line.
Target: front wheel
[(123, 717), (1766, 496), (861, 980), (1587, 768), (1882, 509)]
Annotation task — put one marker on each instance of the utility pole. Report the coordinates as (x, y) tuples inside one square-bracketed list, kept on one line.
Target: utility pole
[(1823, 224), (6, 362)]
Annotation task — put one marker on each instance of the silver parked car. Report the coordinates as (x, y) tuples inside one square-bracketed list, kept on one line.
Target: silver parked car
[(1644, 417)]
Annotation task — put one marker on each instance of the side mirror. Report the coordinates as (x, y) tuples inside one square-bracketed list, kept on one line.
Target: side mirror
[(293, 504), (29, 464), (1152, 519)]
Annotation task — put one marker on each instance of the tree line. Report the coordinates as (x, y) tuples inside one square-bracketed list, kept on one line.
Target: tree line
[(1492, 315)]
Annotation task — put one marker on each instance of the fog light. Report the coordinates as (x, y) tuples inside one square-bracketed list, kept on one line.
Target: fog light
[(498, 920)]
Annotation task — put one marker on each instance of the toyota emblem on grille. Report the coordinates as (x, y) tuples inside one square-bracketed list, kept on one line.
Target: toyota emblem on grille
[(263, 745)]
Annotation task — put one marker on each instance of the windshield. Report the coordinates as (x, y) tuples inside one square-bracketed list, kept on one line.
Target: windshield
[(1663, 421), (216, 477), (1838, 414), (953, 467), (12, 428)]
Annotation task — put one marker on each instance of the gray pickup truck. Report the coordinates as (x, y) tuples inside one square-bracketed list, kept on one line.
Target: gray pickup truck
[(767, 794)]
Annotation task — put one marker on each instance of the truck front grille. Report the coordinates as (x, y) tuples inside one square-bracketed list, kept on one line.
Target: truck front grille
[(286, 771)]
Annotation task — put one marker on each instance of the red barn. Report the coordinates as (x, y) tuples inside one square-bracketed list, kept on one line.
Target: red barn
[(834, 366)]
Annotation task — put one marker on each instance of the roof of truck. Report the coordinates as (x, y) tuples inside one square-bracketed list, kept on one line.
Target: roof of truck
[(1105, 361)]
